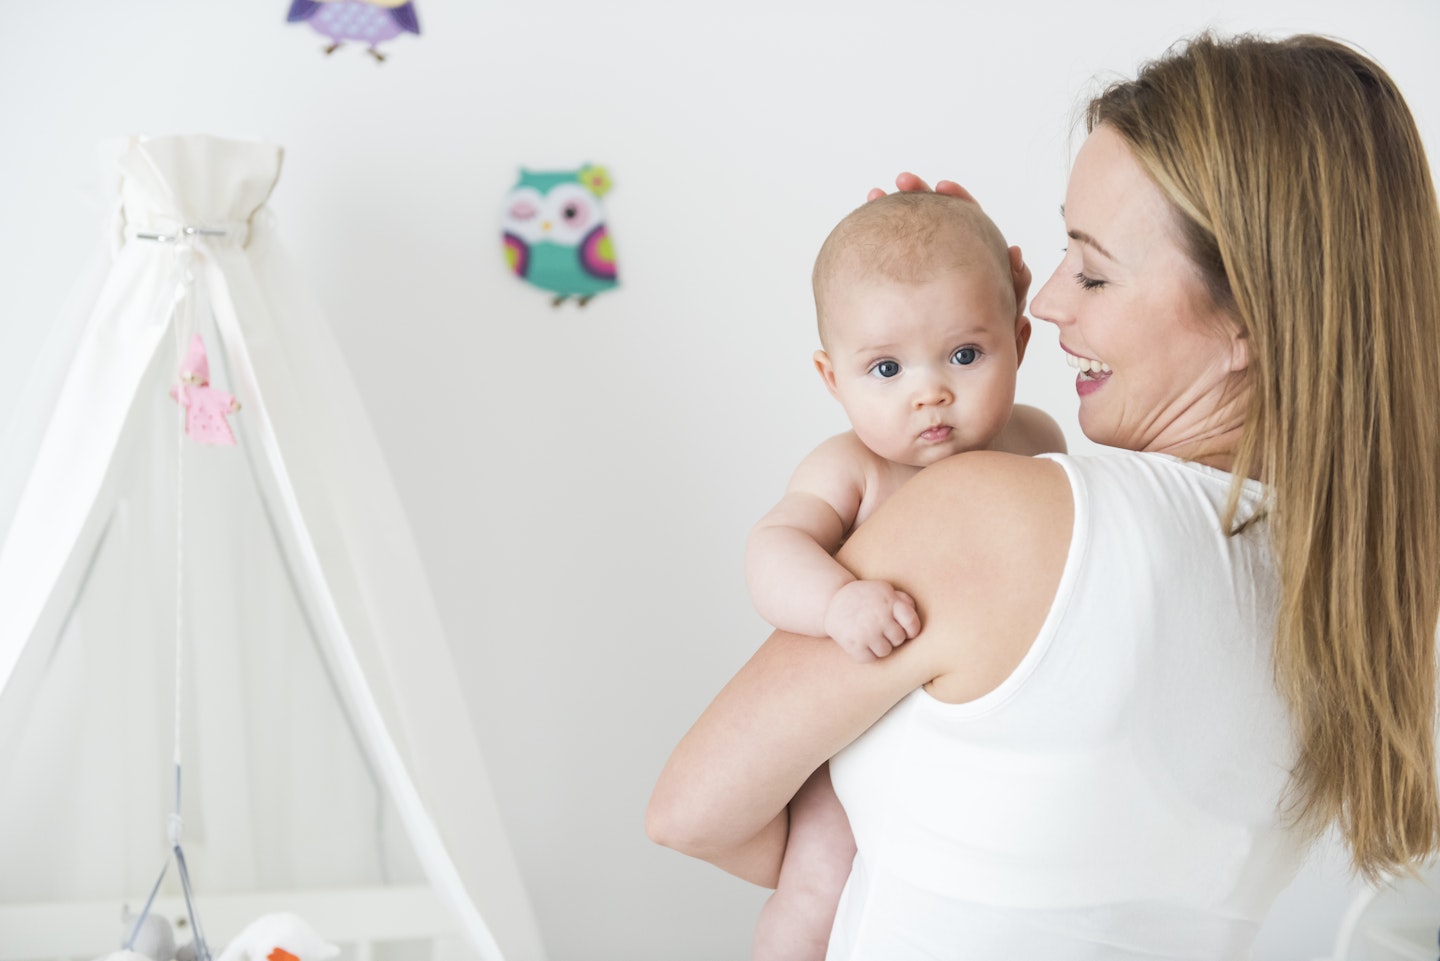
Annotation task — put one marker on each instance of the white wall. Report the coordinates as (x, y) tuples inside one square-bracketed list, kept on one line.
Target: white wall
[(581, 482)]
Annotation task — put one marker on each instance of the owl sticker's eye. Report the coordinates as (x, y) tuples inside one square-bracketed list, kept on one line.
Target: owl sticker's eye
[(523, 210), (575, 213)]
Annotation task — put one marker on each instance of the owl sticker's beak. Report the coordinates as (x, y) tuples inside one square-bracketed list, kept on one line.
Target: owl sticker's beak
[(544, 225)]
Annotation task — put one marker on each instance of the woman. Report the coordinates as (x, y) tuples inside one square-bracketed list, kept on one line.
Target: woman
[(1147, 678)]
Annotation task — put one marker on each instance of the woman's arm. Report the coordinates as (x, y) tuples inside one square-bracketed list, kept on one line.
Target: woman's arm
[(979, 541), (723, 793)]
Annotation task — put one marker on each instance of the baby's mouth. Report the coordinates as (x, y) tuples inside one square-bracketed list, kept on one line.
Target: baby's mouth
[(935, 434)]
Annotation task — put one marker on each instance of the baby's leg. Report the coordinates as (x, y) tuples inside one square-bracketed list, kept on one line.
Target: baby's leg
[(795, 922)]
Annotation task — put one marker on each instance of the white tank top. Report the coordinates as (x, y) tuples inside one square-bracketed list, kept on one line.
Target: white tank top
[(1117, 797)]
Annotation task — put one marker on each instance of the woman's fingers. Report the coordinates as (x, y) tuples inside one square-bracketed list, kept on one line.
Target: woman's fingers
[(1020, 277), (907, 182), (955, 190)]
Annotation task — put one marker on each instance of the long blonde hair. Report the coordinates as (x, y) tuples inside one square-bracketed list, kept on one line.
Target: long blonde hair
[(1304, 196)]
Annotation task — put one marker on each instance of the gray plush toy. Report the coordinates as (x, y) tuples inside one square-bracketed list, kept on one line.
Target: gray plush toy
[(154, 940)]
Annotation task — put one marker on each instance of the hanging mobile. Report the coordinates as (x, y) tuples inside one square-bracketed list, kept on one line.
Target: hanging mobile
[(204, 409)]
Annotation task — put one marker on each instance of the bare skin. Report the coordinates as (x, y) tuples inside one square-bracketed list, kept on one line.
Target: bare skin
[(982, 578), (723, 795)]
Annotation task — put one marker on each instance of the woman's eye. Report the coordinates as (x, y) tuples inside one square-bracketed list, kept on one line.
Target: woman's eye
[(1089, 283), (885, 369), (965, 356)]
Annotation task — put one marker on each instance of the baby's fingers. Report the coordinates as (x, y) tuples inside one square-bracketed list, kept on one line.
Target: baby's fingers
[(905, 614), (892, 635), (880, 645)]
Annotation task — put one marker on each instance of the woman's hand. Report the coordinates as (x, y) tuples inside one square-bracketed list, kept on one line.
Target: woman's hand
[(907, 182)]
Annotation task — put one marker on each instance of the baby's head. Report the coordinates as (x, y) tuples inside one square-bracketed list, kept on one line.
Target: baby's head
[(919, 330)]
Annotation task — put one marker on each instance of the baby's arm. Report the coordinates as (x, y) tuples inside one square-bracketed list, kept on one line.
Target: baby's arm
[(794, 581)]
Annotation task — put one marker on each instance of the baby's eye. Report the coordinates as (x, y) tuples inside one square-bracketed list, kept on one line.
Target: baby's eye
[(885, 369), (965, 356)]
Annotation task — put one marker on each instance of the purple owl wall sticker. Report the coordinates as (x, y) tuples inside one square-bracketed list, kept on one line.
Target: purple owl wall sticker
[(554, 233), (371, 22)]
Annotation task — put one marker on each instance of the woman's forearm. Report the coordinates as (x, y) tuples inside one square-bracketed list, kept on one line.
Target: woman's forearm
[(756, 860), (723, 793), (734, 771)]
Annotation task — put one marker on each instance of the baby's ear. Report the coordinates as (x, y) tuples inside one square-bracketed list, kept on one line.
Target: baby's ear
[(1022, 338), (827, 371)]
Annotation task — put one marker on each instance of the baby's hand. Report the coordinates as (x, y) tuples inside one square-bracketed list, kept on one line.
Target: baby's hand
[(869, 619)]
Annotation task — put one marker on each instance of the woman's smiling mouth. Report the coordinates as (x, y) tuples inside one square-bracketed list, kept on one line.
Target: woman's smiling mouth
[(1085, 365)]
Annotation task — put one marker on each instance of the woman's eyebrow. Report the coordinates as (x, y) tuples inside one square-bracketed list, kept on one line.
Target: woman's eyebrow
[(1089, 241), (1085, 238)]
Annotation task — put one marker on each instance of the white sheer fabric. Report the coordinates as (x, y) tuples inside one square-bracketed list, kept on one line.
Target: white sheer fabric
[(325, 740)]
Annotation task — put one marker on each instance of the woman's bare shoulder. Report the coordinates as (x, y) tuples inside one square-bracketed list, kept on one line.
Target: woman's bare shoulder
[(980, 541), (982, 495)]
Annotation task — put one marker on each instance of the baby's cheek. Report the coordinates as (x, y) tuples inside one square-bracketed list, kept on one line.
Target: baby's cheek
[(880, 440)]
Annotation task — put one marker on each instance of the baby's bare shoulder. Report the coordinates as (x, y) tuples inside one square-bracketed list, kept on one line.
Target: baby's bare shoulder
[(839, 461), (1031, 431), (847, 474), (844, 454)]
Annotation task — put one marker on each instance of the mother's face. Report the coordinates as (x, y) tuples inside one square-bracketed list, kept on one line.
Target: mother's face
[(1154, 353)]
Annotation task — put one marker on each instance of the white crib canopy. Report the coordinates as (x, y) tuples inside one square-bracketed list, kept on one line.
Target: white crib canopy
[(324, 737)]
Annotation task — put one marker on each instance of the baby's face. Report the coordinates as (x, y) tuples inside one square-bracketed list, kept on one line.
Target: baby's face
[(923, 370)]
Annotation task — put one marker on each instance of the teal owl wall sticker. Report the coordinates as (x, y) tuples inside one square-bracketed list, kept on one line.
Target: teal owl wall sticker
[(555, 235)]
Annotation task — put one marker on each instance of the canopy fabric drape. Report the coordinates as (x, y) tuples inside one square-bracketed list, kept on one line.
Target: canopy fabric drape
[(324, 736)]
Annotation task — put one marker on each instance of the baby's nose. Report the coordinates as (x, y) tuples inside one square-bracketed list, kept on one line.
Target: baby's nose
[(934, 393)]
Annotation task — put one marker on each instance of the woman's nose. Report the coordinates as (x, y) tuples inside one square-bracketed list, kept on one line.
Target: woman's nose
[(1048, 302)]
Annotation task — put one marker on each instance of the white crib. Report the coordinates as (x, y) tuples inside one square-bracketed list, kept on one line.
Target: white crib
[(1398, 921), (369, 924)]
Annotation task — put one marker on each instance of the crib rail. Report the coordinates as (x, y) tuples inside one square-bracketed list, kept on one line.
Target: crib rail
[(361, 921)]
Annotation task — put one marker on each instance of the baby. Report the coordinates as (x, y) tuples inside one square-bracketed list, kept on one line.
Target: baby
[(921, 336)]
